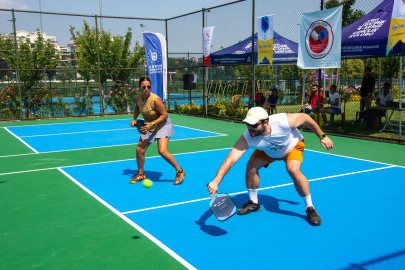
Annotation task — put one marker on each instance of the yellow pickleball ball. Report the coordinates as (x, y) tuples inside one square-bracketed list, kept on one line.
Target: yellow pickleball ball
[(147, 183)]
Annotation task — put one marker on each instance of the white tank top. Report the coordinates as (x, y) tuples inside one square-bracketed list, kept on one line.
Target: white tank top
[(281, 140)]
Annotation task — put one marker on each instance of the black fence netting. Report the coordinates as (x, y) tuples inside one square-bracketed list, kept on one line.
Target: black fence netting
[(90, 65)]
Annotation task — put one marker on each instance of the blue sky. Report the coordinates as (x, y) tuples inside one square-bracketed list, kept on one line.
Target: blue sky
[(232, 23), (132, 8)]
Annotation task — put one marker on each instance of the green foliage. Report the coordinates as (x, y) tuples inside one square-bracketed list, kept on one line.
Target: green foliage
[(65, 72), (43, 56), (10, 103), (349, 15), (119, 98), (353, 68), (83, 105)]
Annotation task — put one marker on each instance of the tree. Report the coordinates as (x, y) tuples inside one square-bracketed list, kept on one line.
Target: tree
[(349, 15), (65, 72), (353, 68), (32, 61)]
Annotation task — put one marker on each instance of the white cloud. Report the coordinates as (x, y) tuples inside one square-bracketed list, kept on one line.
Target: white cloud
[(13, 4)]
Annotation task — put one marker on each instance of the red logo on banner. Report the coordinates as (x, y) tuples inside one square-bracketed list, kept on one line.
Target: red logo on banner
[(319, 39)]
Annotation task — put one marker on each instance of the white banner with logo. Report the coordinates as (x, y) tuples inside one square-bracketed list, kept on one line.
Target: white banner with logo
[(208, 33), (320, 39)]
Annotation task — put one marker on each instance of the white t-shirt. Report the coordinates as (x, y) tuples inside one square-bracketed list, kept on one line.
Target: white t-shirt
[(333, 98), (383, 99), (281, 140)]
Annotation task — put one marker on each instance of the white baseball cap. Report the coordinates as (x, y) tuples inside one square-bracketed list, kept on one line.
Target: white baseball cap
[(255, 114)]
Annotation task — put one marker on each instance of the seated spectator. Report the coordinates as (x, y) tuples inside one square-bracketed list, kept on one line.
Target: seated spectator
[(260, 99), (334, 101), (271, 103), (313, 105), (371, 115)]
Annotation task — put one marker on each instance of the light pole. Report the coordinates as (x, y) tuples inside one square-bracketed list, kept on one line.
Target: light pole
[(142, 25), (101, 19), (42, 33)]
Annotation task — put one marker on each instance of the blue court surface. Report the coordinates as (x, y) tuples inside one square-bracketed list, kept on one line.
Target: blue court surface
[(361, 204), (82, 135)]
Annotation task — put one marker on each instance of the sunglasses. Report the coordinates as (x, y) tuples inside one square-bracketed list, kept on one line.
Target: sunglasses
[(144, 87), (253, 126)]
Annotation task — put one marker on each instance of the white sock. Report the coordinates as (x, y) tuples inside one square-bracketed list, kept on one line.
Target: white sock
[(253, 195), (308, 202)]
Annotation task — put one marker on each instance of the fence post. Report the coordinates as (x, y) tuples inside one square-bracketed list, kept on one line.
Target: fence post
[(253, 55), (379, 75), (18, 66), (100, 89), (167, 67), (203, 25)]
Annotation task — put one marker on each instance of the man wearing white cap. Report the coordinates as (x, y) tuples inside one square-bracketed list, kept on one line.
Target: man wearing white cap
[(274, 137)]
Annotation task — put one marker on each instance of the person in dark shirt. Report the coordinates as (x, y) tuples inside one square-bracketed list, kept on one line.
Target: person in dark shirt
[(271, 103), (367, 90)]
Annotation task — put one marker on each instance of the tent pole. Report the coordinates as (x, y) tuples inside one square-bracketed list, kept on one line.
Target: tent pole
[(379, 75), (400, 97), (324, 82), (303, 90)]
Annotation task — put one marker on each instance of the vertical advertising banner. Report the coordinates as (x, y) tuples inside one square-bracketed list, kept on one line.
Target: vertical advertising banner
[(320, 39), (155, 51), (397, 26), (265, 39), (208, 32)]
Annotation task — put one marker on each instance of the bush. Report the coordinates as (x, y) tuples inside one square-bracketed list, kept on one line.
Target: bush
[(10, 103), (119, 97)]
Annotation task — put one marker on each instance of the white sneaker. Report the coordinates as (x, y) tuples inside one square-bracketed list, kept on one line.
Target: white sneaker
[(326, 124)]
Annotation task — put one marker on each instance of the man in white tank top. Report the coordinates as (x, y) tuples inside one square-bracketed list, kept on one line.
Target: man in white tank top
[(274, 138)]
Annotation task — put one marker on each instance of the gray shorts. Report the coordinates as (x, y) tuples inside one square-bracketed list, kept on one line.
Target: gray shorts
[(166, 130)]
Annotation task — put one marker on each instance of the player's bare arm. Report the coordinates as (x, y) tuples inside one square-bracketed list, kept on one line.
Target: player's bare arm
[(236, 153), (296, 120)]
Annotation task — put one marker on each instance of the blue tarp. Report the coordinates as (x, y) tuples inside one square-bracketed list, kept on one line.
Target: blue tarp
[(285, 52), (368, 36)]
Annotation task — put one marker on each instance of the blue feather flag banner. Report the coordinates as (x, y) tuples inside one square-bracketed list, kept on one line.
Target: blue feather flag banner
[(155, 51)]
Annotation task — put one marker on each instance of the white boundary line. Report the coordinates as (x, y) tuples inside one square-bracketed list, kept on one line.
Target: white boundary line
[(69, 123), (30, 147), (74, 133), (107, 162), (231, 194), (199, 129), (130, 222), (353, 158), (105, 147)]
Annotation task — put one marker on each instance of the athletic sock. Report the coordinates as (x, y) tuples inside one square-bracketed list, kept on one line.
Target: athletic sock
[(308, 202), (253, 195)]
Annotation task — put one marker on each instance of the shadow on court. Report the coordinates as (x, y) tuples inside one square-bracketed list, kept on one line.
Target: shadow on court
[(269, 204), (2, 182), (154, 176), (397, 262)]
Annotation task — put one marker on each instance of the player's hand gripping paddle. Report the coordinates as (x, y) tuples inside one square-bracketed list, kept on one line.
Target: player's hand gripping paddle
[(222, 206), (139, 124)]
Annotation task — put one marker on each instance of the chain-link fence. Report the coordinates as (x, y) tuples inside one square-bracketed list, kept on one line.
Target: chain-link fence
[(101, 58)]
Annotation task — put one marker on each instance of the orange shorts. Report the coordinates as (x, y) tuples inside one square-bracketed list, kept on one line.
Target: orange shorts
[(295, 154)]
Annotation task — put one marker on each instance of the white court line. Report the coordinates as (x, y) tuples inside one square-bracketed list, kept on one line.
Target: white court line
[(107, 162), (354, 158), (199, 129), (74, 133), (231, 194), (22, 141), (70, 123), (107, 146), (133, 224)]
